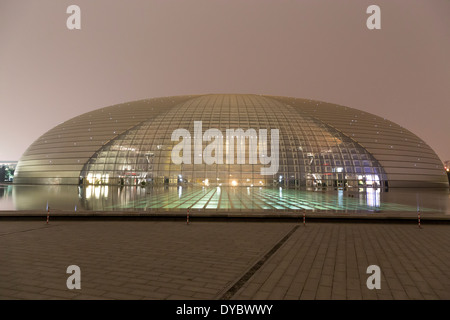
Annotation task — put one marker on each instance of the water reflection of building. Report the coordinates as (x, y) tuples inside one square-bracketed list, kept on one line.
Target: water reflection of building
[(373, 197), (104, 197), (5, 191), (320, 145), (75, 198)]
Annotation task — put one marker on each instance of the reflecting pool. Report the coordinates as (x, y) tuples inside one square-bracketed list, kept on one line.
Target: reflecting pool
[(256, 199)]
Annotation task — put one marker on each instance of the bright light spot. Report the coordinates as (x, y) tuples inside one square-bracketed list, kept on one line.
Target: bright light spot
[(97, 192), (234, 183), (373, 197)]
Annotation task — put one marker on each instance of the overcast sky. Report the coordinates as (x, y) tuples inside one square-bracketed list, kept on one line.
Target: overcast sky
[(130, 50)]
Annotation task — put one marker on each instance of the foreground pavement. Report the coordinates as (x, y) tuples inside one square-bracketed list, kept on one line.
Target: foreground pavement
[(223, 260)]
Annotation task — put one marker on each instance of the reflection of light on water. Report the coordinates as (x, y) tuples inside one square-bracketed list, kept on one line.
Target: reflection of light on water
[(373, 197), (417, 200), (6, 198), (88, 192), (96, 191), (122, 198)]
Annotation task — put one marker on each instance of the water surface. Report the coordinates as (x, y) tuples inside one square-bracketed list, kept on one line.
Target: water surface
[(256, 199)]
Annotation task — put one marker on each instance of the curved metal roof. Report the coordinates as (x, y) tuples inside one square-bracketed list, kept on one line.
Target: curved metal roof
[(306, 127)]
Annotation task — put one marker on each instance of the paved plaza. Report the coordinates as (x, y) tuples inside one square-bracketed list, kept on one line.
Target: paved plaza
[(223, 260)]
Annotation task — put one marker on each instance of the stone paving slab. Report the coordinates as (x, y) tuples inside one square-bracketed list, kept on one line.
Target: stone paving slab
[(129, 260), (329, 261), (203, 260)]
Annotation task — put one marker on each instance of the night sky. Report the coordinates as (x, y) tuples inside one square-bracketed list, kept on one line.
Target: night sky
[(131, 50)]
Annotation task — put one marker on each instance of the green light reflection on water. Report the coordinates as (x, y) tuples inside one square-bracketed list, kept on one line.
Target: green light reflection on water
[(115, 198)]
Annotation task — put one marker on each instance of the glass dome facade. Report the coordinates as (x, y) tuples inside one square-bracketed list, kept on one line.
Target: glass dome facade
[(320, 144)]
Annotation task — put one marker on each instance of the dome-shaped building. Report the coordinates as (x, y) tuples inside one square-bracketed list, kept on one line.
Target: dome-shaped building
[(231, 139)]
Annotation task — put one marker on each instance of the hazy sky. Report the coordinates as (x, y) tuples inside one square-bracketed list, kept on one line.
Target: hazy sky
[(130, 50)]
